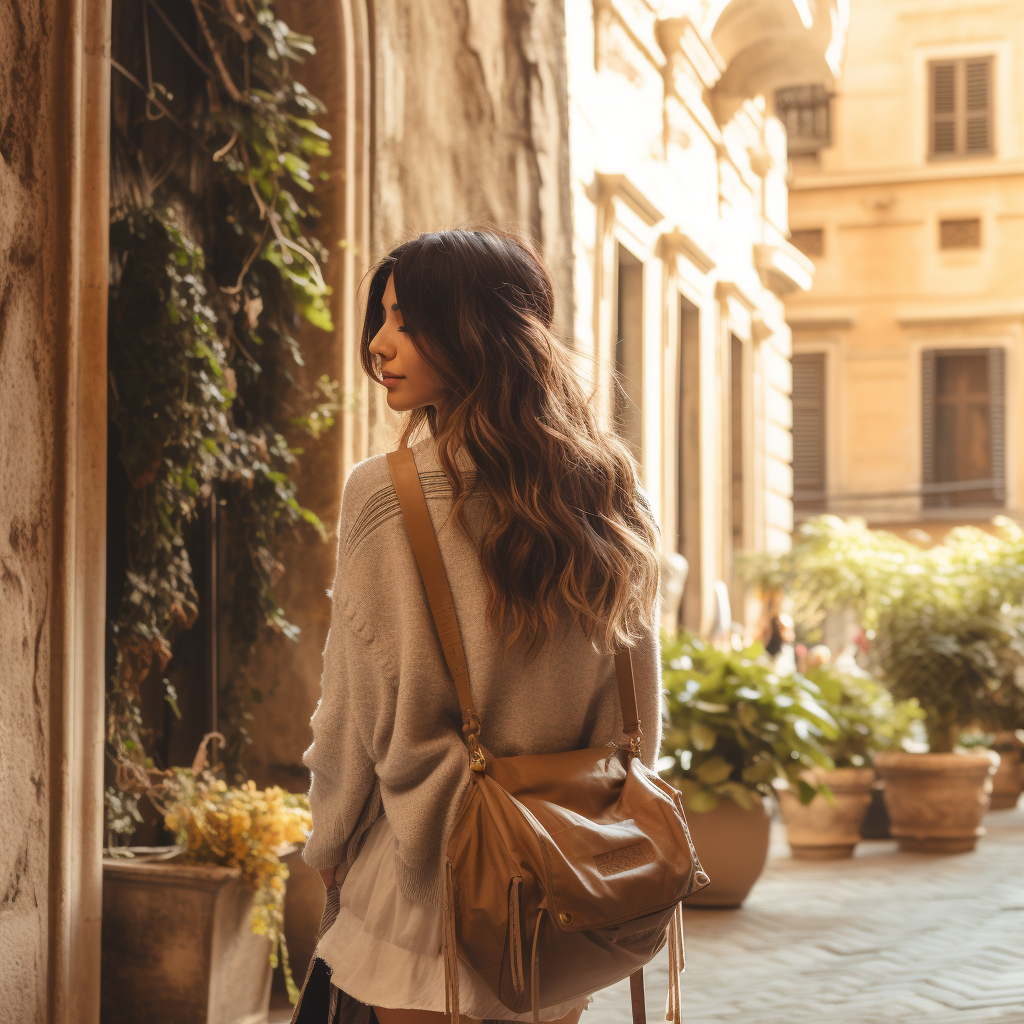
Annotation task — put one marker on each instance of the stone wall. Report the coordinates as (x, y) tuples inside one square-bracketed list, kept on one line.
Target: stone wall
[(26, 512), (471, 122)]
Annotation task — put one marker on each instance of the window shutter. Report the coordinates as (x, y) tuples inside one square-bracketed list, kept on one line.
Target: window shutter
[(943, 96), (997, 416), (978, 106), (928, 417), (809, 428)]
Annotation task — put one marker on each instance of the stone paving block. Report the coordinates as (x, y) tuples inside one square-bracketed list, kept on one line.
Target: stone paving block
[(885, 937)]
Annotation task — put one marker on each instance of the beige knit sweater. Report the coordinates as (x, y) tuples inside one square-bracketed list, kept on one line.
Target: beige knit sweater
[(387, 731)]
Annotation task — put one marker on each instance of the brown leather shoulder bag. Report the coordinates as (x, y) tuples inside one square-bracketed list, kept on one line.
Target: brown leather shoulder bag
[(564, 872)]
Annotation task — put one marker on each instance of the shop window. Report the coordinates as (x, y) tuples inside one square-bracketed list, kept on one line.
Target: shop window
[(960, 107), (963, 429), (809, 469)]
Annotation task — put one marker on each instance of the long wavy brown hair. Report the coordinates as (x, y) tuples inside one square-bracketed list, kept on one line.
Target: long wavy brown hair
[(572, 530)]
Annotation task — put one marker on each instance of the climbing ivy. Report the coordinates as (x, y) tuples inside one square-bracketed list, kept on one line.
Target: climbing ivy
[(213, 267)]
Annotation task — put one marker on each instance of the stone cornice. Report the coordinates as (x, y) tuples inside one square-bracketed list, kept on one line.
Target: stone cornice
[(680, 38)]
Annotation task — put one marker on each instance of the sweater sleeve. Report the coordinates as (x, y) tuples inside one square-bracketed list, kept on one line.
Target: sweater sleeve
[(343, 770), (647, 675)]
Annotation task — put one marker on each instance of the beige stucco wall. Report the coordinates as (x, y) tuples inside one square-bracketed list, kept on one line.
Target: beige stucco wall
[(884, 290)]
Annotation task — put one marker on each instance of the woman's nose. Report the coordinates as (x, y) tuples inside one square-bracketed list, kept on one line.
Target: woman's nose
[(377, 346)]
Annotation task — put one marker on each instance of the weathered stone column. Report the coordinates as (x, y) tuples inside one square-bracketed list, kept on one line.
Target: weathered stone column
[(54, 102)]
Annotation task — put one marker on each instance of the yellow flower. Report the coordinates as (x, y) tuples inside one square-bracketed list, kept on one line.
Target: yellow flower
[(241, 826)]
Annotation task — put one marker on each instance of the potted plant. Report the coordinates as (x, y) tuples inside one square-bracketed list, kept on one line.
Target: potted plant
[(952, 654), (944, 623), (868, 721), (734, 727), (195, 931)]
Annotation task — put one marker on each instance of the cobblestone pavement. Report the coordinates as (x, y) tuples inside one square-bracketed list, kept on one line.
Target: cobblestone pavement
[(888, 936)]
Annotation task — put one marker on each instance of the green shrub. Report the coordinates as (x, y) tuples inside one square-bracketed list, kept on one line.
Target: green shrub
[(868, 719), (734, 726), (945, 620)]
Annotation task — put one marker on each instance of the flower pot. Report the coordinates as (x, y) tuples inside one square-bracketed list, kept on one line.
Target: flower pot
[(1008, 781), (936, 801), (822, 830), (732, 845), (178, 947)]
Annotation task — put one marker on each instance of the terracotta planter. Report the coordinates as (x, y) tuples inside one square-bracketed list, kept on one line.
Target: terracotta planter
[(732, 845), (178, 947), (828, 831), (1008, 781), (936, 801)]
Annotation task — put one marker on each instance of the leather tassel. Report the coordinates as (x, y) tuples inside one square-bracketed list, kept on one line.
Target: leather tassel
[(535, 970), (676, 964), (451, 963), (682, 949), (515, 891)]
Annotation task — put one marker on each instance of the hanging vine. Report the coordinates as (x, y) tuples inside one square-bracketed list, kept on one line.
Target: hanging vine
[(213, 266)]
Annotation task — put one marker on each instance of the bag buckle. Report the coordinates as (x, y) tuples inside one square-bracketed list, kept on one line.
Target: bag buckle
[(471, 727), (636, 743)]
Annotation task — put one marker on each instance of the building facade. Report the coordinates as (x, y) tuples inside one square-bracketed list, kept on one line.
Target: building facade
[(908, 195), (682, 258)]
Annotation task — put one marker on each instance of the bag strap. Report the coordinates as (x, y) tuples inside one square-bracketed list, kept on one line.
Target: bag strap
[(406, 479)]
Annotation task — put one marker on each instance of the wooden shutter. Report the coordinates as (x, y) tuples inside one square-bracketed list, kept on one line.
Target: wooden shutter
[(955, 443), (928, 417), (809, 476), (943, 108), (960, 107), (978, 106), (997, 412)]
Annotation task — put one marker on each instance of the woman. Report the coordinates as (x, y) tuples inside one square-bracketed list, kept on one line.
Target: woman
[(551, 553)]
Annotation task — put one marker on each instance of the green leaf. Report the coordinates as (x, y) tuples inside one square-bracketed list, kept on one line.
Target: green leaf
[(702, 801), (703, 738), (715, 769), (805, 791), (740, 794)]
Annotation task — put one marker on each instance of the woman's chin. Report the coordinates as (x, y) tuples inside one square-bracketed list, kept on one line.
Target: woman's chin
[(395, 403)]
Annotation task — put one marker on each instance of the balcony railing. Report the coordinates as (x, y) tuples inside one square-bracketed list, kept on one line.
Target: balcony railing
[(948, 496)]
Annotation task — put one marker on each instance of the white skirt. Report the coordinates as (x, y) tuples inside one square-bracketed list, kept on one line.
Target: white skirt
[(386, 950)]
